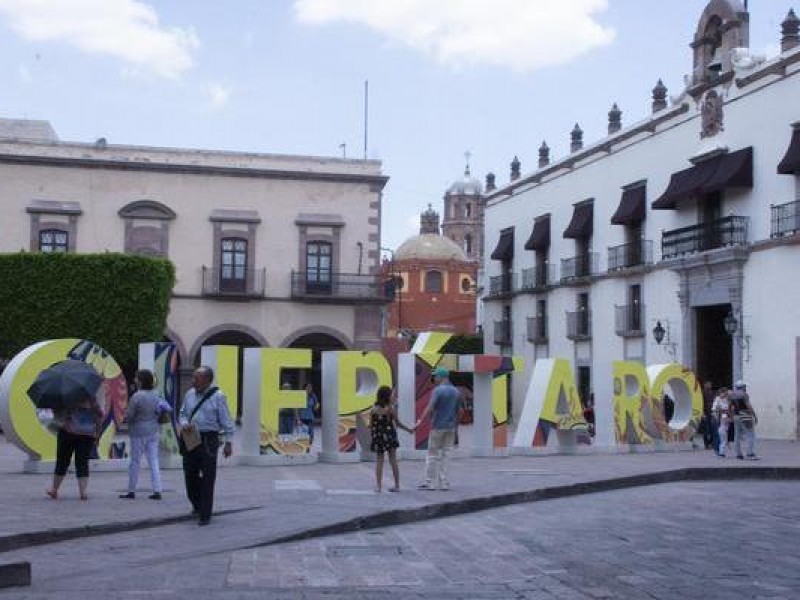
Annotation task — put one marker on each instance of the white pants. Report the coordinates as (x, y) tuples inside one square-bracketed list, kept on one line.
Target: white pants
[(140, 445), (723, 436), (440, 443)]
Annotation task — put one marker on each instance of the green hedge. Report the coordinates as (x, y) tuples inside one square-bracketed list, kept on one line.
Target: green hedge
[(115, 300), (464, 344)]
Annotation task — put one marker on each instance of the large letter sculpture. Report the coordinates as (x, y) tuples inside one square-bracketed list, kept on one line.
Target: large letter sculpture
[(350, 381), (19, 416), (552, 404), (263, 401), (224, 360)]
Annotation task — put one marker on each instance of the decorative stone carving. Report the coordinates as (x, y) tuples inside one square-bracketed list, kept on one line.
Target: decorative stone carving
[(576, 136), (659, 96), (711, 115), (516, 167), (614, 119), (490, 185), (790, 29), (544, 155), (429, 221)]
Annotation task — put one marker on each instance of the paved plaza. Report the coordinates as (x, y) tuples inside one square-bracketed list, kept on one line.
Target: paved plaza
[(711, 539)]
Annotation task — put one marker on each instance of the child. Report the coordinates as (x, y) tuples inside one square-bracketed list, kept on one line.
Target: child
[(382, 420)]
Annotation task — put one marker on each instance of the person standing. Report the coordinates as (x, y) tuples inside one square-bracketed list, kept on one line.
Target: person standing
[(443, 410), (144, 409), (306, 415), (204, 416), (383, 423), (744, 420), (721, 409), (711, 425), (77, 434)]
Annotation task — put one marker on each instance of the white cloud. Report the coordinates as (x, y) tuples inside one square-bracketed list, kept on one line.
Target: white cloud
[(125, 29), (218, 95), (522, 35)]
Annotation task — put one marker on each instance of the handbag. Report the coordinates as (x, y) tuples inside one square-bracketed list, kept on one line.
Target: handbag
[(190, 436)]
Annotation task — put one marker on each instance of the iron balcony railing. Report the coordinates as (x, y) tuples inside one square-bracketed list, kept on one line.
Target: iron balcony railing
[(579, 325), (630, 255), (328, 286), (500, 285), (727, 231), (502, 333), (538, 278), (629, 320), (785, 219), (582, 265), (234, 282), (537, 330)]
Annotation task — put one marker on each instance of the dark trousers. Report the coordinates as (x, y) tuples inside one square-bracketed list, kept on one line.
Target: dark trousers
[(68, 444), (200, 474), (310, 424)]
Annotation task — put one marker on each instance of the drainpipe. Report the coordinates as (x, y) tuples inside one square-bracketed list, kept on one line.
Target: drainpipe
[(360, 255)]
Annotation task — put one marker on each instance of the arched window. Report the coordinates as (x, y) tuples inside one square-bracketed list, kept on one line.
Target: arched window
[(468, 244), (433, 282), (53, 240)]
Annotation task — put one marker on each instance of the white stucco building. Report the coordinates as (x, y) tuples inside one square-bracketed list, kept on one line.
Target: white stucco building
[(682, 229), (270, 250)]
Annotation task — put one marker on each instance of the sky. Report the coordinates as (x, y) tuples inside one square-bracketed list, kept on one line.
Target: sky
[(490, 77)]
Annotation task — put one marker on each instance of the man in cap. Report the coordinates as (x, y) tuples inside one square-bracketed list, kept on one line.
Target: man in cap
[(744, 420), (443, 410)]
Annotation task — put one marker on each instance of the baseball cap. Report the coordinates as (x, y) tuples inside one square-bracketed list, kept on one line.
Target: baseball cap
[(440, 372), (739, 385)]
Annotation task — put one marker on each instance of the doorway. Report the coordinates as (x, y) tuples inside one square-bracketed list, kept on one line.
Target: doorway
[(714, 348)]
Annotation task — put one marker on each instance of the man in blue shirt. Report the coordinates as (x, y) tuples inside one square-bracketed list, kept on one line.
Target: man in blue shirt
[(210, 419), (443, 407)]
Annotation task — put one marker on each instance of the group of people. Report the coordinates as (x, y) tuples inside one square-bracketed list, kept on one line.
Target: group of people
[(725, 410), (204, 425)]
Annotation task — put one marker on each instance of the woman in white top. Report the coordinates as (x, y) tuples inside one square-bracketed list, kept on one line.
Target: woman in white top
[(721, 409)]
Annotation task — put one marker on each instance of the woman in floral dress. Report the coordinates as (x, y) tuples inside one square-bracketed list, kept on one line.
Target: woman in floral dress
[(383, 425)]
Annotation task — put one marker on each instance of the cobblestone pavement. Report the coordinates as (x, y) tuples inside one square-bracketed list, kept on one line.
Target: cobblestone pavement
[(679, 540)]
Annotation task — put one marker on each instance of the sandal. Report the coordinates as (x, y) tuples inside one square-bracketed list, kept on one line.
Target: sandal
[(52, 493), (84, 497), (394, 488)]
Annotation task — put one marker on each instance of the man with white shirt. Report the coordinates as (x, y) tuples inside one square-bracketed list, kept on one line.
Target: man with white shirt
[(205, 410)]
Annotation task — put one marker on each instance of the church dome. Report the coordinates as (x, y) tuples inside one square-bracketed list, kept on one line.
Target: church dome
[(466, 186), (429, 246)]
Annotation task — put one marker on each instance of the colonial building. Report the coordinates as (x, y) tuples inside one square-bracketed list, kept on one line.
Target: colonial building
[(676, 238), (270, 250), (435, 283)]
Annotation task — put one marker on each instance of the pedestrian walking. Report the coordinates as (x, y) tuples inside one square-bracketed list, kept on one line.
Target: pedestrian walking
[(78, 429), (443, 409), (203, 417), (744, 421), (383, 423), (721, 408), (145, 409)]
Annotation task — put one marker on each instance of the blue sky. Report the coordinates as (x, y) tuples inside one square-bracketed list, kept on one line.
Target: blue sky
[(495, 77)]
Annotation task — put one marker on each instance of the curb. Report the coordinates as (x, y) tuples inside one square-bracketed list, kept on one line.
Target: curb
[(470, 505), (50, 536)]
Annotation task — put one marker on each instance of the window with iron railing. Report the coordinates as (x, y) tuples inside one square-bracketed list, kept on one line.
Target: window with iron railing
[(632, 254), (502, 332), (785, 219), (582, 265), (719, 233), (629, 320)]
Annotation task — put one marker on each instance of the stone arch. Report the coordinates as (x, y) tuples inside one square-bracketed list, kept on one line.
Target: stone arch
[(321, 329), (194, 352), (723, 25), (173, 337), (147, 209)]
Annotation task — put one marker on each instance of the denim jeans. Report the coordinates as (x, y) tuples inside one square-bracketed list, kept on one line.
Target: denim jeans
[(722, 435), (742, 431)]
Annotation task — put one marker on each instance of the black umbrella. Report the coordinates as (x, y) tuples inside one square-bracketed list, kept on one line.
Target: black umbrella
[(65, 385)]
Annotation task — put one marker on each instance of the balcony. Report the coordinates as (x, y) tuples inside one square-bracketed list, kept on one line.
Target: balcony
[(785, 219), (728, 231), (502, 285), (234, 283), (338, 288), (633, 254), (579, 325), (538, 278), (629, 320), (502, 333), (577, 267), (537, 330)]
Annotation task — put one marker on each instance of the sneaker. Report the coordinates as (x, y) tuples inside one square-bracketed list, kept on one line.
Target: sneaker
[(425, 486), (740, 457), (752, 457), (204, 522), (155, 496), (721, 454), (128, 496), (444, 488)]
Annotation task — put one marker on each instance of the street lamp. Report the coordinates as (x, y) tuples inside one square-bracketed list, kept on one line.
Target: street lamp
[(662, 336), (732, 326)]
